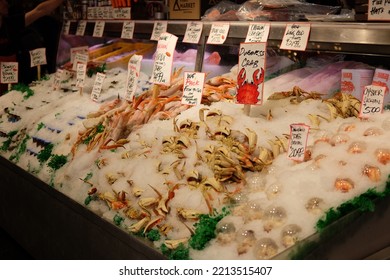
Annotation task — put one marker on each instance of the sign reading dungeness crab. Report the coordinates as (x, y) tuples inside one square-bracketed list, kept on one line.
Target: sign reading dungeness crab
[(250, 80)]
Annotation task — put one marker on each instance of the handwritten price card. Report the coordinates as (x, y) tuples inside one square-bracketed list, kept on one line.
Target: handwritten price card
[(193, 32), (81, 28), (80, 77), (98, 29), (38, 57), (257, 32), (193, 87), (57, 79), (163, 61), (159, 28), (296, 36), (66, 27), (128, 30), (372, 101), (97, 86), (378, 10), (133, 68), (9, 72), (218, 33), (298, 140), (73, 51), (79, 58), (250, 79)]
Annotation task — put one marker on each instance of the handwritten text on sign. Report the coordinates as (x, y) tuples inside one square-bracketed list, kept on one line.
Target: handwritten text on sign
[(57, 79), (159, 28), (372, 101), (128, 30), (251, 67), (296, 36), (218, 33), (193, 87), (81, 28), (73, 51), (298, 140), (163, 61), (80, 58), (193, 32), (378, 10), (257, 32), (38, 57), (133, 68), (66, 27), (97, 86), (80, 77), (99, 28), (9, 72)]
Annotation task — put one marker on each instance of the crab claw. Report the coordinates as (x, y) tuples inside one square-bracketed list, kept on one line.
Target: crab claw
[(241, 77), (258, 78)]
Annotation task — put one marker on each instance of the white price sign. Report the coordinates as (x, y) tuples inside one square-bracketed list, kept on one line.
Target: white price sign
[(97, 86), (80, 77), (193, 32), (163, 61), (9, 72), (81, 28), (372, 101), (128, 30), (80, 58), (379, 10), (257, 32), (218, 33), (298, 141), (38, 57), (99, 28), (134, 69), (159, 28), (296, 36), (66, 27), (193, 88)]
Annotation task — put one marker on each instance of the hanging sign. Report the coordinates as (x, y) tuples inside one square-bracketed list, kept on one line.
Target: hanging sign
[(372, 101), (128, 30), (81, 28), (133, 72), (298, 141), (379, 10), (296, 36), (193, 32), (159, 28), (98, 29), (193, 88), (163, 61), (97, 86), (9, 72), (218, 33), (66, 27), (257, 32), (250, 79)]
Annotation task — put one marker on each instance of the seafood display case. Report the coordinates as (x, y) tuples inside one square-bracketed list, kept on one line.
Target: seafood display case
[(50, 225)]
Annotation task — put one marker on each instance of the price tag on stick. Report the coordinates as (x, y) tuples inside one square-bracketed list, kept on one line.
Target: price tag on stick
[(9, 73), (372, 101), (80, 78), (298, 141), (133, 68), (193, 88), (38, 58), (97, 86)]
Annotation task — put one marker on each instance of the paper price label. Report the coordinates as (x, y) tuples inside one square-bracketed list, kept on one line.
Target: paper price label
[(193, 32), (97, 86), (372, 101), (133, 68), (80, 77), (57, 79), (218, 33), (80, 58), (66, 27), (163, 61), (9, 72), (81, 28), (193, 88), (128, 30), (159, 28), (257, 32), (298, 141), (73, 51), (250, 79), (99, 29), (379, 10), (38, 57), (296, 36)]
